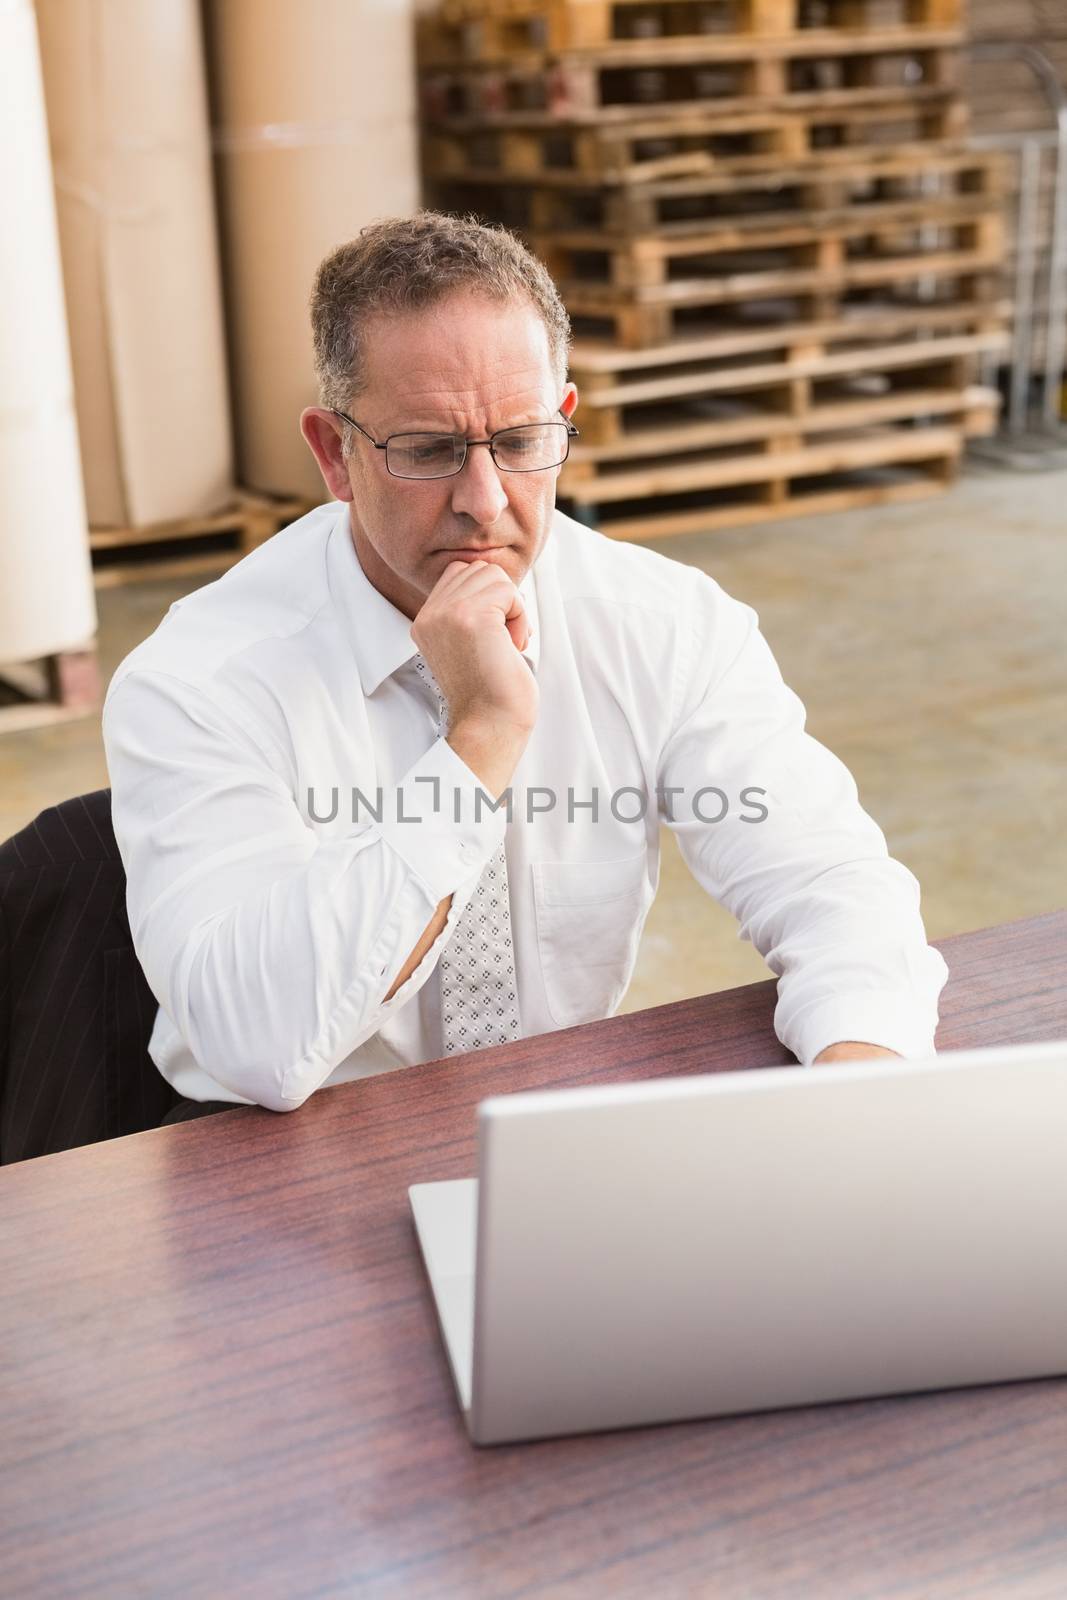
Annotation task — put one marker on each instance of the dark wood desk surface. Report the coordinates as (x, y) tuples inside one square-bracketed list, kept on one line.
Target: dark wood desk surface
[(223, 1374)]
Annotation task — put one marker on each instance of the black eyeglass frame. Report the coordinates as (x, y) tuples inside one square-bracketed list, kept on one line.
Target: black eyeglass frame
[(424, 433)]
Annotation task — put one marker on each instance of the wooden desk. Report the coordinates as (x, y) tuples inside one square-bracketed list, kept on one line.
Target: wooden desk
[(223, 1375)]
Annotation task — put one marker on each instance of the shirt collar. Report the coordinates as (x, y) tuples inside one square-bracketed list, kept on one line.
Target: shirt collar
[(378, 632)]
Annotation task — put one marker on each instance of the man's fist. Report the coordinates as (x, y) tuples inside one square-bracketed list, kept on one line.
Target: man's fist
[(470, 631)]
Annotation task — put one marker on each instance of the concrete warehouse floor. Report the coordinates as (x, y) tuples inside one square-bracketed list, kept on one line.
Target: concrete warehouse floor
[(929, 644)]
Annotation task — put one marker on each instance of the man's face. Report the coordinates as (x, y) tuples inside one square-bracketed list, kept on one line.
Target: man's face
[(470, 366)]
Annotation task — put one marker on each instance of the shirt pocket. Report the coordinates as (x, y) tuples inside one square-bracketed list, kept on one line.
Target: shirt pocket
[(589, 919)]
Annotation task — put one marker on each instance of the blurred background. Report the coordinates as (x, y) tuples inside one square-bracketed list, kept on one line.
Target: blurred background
[(815, 255)]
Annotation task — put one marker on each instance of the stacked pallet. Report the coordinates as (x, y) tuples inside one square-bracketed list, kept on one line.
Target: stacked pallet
[(779, 256), (186, 547)]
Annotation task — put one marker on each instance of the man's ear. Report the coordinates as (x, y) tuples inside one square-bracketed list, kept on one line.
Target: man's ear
[(322, 430), (570, 400)]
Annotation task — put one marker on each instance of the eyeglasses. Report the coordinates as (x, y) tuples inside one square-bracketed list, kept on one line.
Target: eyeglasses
[(531, 447)]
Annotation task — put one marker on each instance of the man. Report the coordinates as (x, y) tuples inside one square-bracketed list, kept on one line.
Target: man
[(392, 787)]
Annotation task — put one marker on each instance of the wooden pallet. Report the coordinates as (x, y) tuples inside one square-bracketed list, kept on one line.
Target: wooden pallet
[(823, 492), (821, 474), (494, 30), (732, 72), (56, 688), (826, 286), (804, 412), (745, 428), (775, 338), (775, 244), (695, 139), (779, 192), (190, 546), (486, 30), (762, 395)]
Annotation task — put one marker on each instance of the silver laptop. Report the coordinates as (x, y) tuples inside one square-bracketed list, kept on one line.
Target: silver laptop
[(692, 1247)]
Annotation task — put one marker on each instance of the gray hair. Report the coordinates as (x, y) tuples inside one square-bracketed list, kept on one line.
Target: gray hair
[(408, 264)]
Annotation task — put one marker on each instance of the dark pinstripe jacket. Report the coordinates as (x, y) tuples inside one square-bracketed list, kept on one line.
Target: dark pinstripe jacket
[(76, 1011)]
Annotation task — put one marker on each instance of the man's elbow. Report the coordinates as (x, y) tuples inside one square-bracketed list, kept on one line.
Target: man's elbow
[(271, 1043), (270, 1085), (262, 1077), (266, 1052), (272, 1102)]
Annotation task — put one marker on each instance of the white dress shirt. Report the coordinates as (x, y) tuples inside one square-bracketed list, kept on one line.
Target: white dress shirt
[(271, 923)]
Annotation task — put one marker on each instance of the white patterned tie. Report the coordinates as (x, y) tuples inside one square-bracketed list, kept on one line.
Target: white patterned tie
[(479, 991)]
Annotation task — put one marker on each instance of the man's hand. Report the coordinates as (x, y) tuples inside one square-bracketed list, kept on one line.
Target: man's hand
[(470, 631), (853, 1050)]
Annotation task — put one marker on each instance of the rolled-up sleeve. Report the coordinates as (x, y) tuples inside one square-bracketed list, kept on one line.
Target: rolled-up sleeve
[(811, 882), (272, 946)]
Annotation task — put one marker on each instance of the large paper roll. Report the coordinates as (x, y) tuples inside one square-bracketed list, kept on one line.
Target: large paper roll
[(46, 588), (316, 137), (128, 119)]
